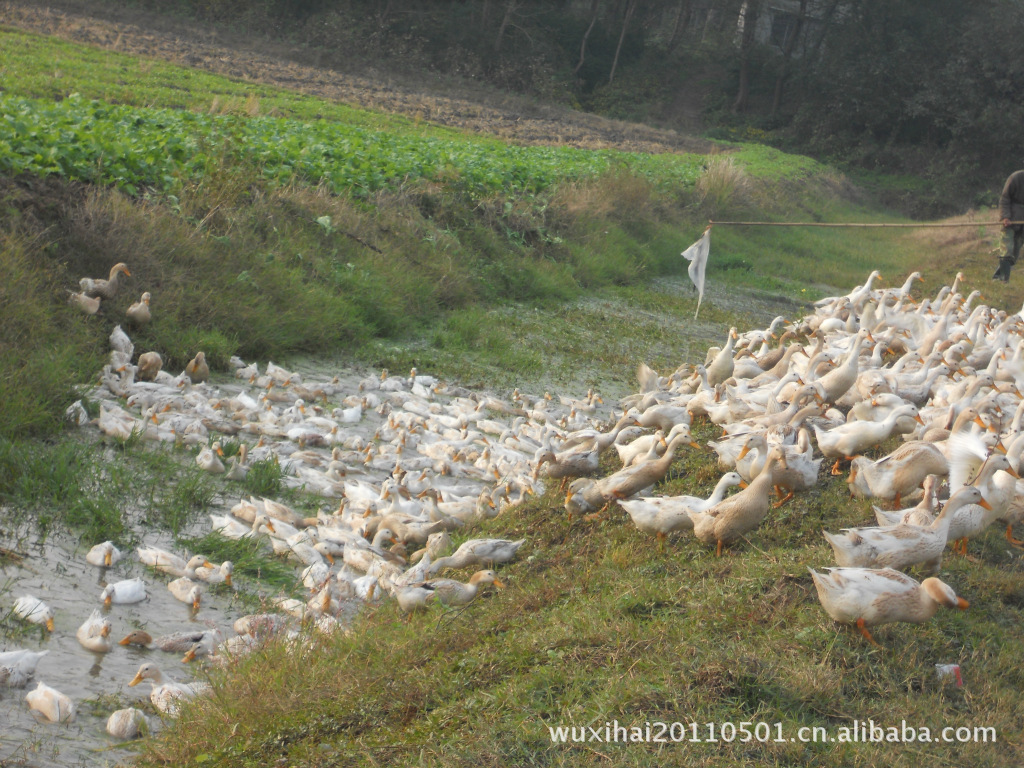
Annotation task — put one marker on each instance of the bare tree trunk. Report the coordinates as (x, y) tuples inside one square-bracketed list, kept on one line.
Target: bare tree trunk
[(682, 21), (586, 36), (485, 14), (711, 20), (750, 13), (826, 24), (787, 56), (618, 49), (510, 9)]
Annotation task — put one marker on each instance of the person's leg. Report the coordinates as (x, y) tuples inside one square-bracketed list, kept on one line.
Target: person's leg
[(1013, 237)]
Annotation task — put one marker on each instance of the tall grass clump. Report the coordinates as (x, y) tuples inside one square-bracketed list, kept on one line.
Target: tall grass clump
[(43, 353), (722, 185)]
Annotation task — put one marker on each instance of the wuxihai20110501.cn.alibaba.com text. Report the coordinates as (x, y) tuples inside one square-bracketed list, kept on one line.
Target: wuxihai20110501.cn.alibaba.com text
[(859, 731)]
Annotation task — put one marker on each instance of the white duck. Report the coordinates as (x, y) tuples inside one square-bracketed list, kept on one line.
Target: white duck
[(33, 610), (124, 592), (662, 515), (209, 459), (104, 555), (94, 634), (50, 704), (846, 441), (128, 723), (868, 597), (19, 665), (902, 545), (167, 695)]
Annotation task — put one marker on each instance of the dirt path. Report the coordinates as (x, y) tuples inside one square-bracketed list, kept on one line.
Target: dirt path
[(216, 50)]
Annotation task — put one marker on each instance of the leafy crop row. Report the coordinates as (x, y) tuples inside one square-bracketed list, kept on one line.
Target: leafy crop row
[(139, 148)]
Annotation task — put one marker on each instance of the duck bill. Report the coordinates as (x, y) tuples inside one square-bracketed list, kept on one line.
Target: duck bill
[(126, 640), (190, 655), (962, 604), (499, 584), (227, 579), (135, 681), (985, 505), (49, 624), (743, 484)]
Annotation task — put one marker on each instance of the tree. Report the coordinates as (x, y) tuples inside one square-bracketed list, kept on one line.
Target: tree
[(787, 56), (748, 15), (630, 8), (586, 35)]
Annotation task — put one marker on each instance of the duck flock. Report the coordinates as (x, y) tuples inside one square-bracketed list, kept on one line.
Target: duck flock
[(407, 465)]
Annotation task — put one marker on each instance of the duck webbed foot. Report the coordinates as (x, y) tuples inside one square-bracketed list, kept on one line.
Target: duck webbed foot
[(867, 635)]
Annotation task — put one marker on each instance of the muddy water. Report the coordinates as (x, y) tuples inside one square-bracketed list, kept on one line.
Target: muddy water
[(56, 572)]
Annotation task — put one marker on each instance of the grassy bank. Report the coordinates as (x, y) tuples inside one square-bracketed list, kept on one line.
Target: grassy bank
[(596, 625)]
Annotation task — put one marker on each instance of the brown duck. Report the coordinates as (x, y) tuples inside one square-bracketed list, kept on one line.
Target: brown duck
[(735, 516)]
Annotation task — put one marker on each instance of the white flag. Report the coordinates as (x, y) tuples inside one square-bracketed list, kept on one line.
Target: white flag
[(697, 254)]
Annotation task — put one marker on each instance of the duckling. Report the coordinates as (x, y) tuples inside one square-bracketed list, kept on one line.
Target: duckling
[(867, 597), (104, 289), (138, 313)]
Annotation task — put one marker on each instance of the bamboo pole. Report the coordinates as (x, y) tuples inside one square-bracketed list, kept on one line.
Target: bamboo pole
[(712, 223)]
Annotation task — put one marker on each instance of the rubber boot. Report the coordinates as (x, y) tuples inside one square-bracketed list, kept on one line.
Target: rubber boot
[(1003, 271)]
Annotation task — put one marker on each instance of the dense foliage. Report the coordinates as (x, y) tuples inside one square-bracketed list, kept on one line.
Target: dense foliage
[(926, 88)]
